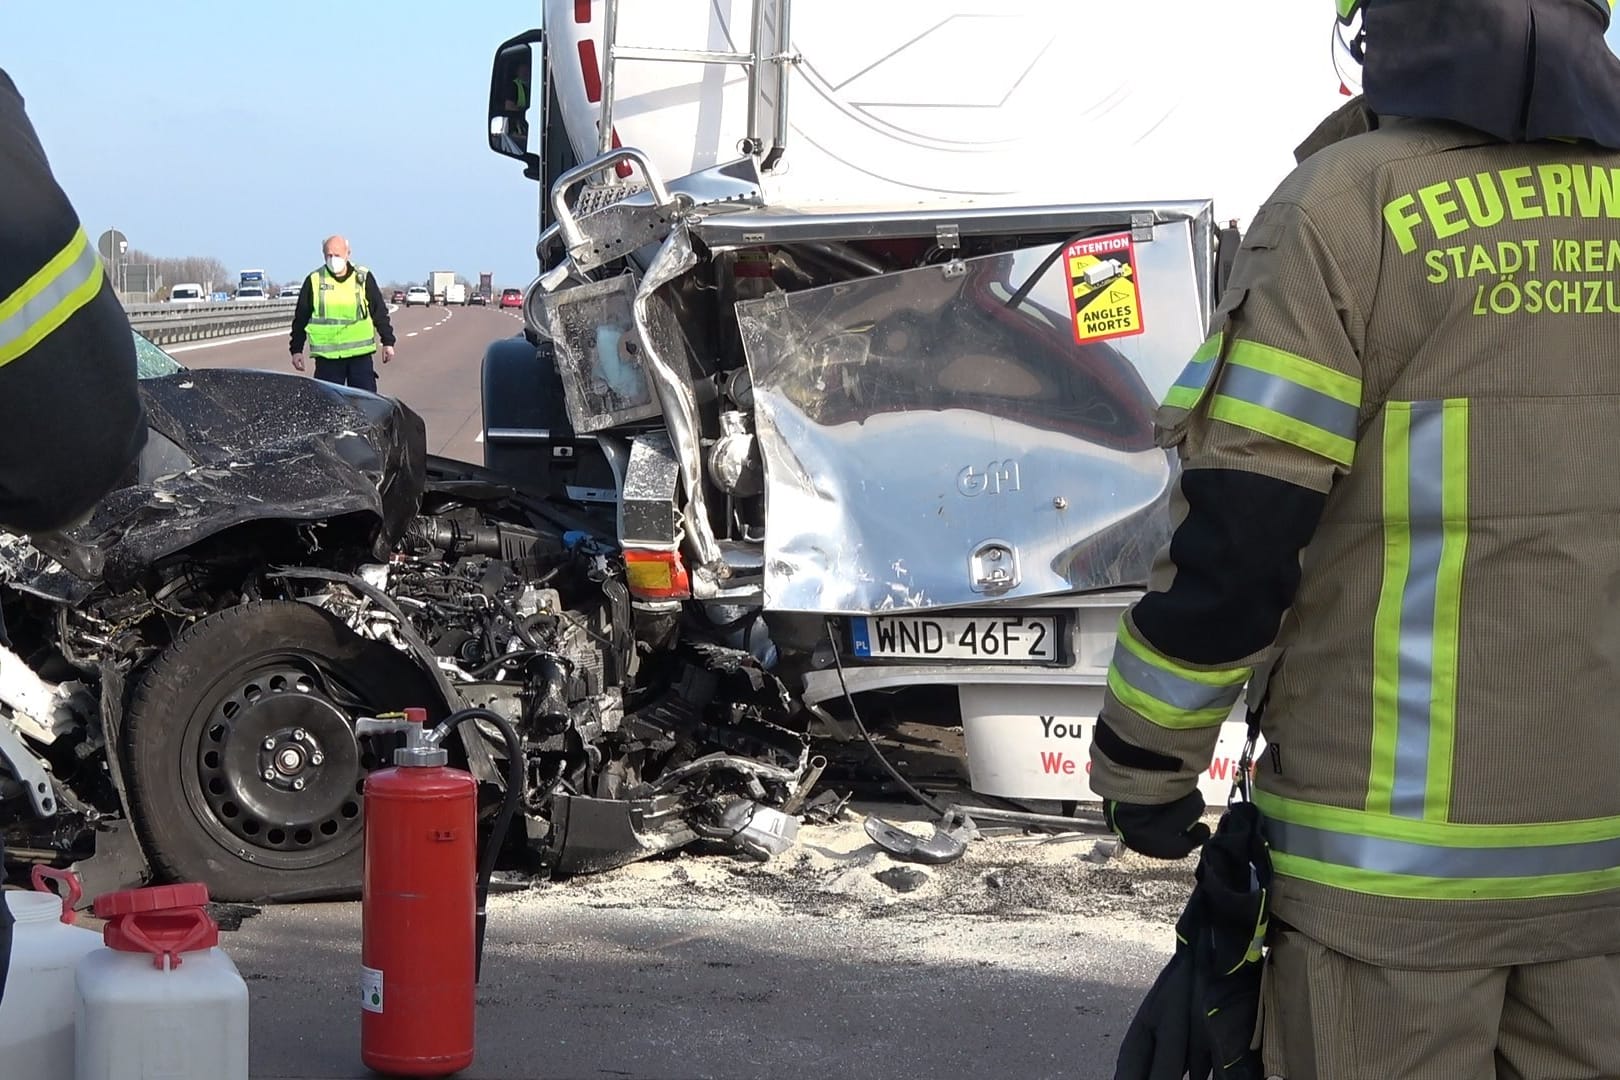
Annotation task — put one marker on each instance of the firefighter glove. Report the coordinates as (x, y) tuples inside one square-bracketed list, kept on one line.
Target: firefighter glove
[(1163, 831)]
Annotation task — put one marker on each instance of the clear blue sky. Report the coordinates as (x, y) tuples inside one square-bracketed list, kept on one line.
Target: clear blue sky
[(231, 130)]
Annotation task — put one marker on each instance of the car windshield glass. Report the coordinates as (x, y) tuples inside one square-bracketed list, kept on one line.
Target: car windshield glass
[(152, 362)]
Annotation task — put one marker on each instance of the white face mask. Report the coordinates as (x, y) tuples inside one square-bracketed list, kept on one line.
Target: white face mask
[(337, 263)]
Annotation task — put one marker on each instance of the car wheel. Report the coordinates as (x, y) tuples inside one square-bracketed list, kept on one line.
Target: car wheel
[(244, 770)]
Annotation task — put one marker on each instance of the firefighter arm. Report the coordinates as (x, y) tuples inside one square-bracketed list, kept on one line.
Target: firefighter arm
[(74, 421), (1263, 433)]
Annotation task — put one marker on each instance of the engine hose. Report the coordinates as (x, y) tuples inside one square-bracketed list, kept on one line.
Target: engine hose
[(503, 820), (523, 632), (492, 666)]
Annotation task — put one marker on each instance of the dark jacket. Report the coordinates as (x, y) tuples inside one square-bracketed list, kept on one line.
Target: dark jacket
[(306, 307), (71, 420)]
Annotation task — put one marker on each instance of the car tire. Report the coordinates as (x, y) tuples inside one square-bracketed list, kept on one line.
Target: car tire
[(197, 737)]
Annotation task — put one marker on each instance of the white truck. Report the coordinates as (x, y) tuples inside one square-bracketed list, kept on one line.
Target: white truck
[(439, 282), (455, 293), (860, 322)]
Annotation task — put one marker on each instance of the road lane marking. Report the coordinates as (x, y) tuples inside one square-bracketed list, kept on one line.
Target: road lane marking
[(223, 341), (413, 333)]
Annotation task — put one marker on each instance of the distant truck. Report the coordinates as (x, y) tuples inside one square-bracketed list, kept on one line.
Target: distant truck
[(439, 282), (486, 285), (455, 293)]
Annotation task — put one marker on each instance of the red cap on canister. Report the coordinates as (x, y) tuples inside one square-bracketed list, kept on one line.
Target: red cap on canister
[(163, 921), (417, 716)]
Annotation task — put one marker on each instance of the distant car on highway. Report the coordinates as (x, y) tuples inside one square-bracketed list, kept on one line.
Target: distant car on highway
[(418, 295), (511, 298), (398, 297), (250, 292), (478, 298), (187, 293)]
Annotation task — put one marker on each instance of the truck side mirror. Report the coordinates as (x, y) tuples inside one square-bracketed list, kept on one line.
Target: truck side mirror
[(513, 93)]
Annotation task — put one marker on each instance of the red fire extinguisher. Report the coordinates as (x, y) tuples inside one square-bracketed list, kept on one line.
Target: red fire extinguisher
[(422, 899)]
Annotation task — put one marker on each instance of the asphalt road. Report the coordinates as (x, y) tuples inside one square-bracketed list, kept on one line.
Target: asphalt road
[(642, 991), (435, 368)]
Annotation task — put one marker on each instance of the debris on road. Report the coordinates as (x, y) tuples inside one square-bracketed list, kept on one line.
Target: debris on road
[(944, 846), (834, 872), (902, 879), (1103, 850)]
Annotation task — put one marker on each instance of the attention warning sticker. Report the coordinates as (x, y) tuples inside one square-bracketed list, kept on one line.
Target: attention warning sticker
[(1105, 295)]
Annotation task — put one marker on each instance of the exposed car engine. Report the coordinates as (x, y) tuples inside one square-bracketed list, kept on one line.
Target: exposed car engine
[(181, 675)]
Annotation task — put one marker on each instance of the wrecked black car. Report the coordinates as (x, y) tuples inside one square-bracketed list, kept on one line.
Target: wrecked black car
[(181, 673)]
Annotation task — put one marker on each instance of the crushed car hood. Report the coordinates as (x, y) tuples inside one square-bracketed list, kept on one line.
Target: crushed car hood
[(230, 447)]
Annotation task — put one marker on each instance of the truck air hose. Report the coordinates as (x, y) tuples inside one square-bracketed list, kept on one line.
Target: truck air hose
[(855, 713)]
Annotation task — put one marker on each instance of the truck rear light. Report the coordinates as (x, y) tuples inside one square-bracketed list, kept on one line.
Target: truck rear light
[(656, 575)]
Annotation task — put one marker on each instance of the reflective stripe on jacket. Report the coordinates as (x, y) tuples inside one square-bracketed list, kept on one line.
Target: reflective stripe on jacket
[(1422, 334), (67, 282), (340, 323)]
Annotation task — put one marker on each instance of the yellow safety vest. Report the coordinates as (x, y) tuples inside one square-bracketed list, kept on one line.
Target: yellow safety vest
[(340, 323)]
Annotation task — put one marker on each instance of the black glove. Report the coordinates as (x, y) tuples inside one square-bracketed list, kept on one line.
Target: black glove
[(1163, 831), (1165, 1040), (1199, 1018)]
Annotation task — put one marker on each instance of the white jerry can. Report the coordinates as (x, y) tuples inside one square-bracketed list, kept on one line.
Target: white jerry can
[(161, 1000), (36, 1015)]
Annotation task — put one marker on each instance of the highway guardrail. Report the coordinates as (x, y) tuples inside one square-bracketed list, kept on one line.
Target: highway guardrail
[(166, 324)]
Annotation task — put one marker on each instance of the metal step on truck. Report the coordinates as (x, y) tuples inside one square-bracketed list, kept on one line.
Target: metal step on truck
[(857, 316)]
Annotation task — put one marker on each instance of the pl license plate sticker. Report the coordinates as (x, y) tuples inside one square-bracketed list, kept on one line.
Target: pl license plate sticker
[(1105, 291)]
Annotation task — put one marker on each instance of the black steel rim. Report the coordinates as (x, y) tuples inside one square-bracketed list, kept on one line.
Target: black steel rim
[(276, 774)]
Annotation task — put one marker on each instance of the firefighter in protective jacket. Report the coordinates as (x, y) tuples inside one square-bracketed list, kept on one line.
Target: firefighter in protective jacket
[(1398, 513), (72, 409)]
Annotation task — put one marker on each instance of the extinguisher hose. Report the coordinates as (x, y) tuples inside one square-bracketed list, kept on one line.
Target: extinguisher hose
[(503, 820)]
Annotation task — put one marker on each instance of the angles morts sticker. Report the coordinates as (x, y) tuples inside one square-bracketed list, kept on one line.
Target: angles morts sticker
[(1105, 293)]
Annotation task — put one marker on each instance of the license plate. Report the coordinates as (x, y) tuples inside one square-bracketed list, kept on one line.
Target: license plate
[(1017, 639)]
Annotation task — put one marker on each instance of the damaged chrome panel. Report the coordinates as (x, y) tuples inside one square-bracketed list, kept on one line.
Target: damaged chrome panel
[(671, 368), (598, 354), (936, 437)]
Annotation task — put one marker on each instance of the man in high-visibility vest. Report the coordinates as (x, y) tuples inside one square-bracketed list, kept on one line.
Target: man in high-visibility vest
[(340, 315), (68, 391), (517, 103), (1398, 518)]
